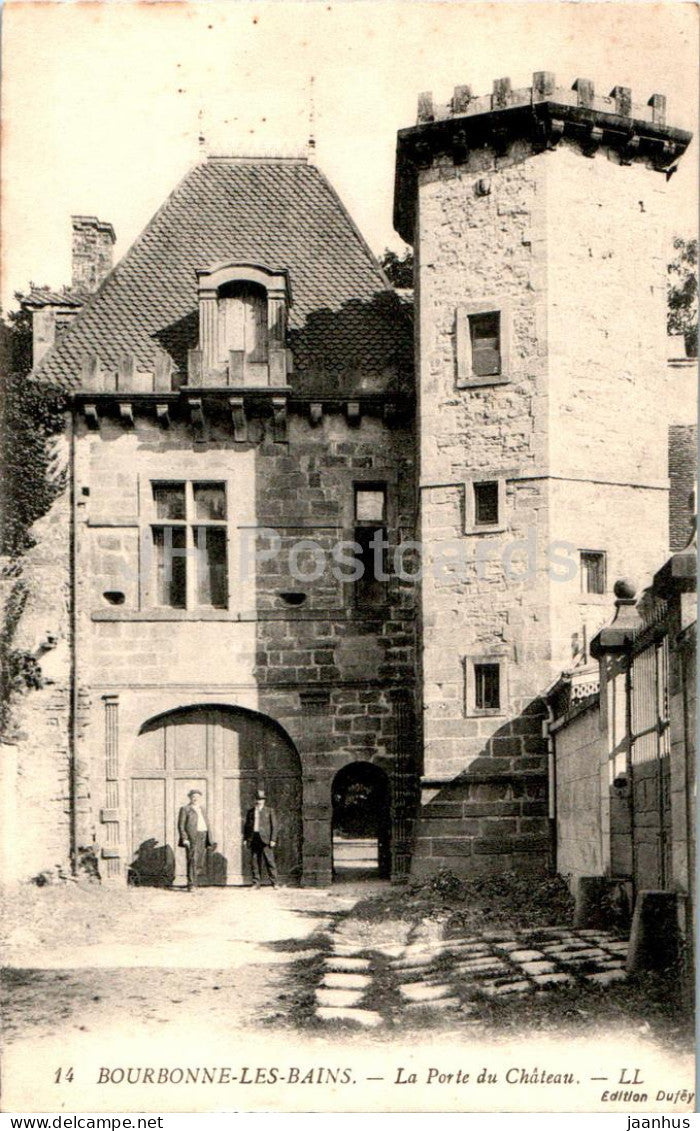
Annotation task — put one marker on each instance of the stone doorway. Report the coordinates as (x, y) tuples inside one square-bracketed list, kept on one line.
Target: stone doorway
[(361, 829), (226, 753)]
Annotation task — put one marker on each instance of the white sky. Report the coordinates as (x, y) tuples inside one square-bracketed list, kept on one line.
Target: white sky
[(101, 100)]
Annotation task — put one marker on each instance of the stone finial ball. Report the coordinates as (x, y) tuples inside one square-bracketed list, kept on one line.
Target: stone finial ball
[(624, 589)]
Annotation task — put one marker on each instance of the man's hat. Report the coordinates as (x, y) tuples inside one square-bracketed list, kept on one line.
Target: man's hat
[(195, 793), (260, 793)]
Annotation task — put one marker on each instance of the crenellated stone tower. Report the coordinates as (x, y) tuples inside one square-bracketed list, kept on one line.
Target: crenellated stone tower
[(537, 218)]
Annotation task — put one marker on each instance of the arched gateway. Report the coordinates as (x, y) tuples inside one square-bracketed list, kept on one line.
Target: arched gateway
[(227, 753)]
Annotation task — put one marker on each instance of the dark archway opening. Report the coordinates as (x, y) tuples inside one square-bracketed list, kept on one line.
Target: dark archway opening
[(361, 830)]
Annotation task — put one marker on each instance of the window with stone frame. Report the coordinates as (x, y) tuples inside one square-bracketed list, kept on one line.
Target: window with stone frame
[(189, 531), (370, 528), (486, 503), (486, 685), (483, 336), (593, 570)]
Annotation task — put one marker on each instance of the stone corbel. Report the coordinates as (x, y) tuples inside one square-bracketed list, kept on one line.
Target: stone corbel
[(460, 149), (126, 413), (315, 413), (238, 419), (196, 414), (390, 411), (279, 419), (163, 415), (91, 416), (500, 140), (555, 133), (352, 412), (591, 143), (630, 150)]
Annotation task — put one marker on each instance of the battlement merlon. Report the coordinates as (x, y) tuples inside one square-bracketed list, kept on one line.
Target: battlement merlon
[(544, 113)]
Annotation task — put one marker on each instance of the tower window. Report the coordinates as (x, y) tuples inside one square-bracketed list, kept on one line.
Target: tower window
[(592, 571), (485, 332), (487, 687), (370, 530), (486, 503)]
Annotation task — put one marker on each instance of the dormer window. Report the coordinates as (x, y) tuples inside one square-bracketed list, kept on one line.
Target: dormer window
[(242, 322), (242, 326)]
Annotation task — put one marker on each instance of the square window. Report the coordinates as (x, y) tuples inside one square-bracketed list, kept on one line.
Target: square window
[(169, 499), (370, 504), (485, 332), (487, 687), (486, 503), (209, 501), (592, 571)]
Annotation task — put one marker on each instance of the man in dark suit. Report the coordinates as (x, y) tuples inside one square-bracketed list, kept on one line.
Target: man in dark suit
[(194, 836), (260, 835)]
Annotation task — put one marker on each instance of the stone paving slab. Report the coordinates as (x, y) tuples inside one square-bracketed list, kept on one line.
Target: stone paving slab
[(421, 991), (346, 981), (605, 977), (555, 979), (367, 1017), (341, 998), (346, 965), (538, 967), (499, 990), (439, 1003)]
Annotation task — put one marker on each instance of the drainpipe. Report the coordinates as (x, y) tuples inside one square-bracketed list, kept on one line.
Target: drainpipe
[(73, 676), (551, 774)]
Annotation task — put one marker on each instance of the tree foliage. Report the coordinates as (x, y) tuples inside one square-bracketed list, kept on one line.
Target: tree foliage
[(683, 293), (398, 268), (31, 414)]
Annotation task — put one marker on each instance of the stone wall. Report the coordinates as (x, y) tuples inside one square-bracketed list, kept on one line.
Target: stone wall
[(36, 791)]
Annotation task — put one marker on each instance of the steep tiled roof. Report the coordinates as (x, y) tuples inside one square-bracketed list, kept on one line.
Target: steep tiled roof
[(346, 325)]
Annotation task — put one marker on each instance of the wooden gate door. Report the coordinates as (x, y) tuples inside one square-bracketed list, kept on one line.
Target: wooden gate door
[(650, 769), (227, 754)]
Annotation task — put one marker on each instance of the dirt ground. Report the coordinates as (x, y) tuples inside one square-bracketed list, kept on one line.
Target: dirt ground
[(139, 976), (78, 958)]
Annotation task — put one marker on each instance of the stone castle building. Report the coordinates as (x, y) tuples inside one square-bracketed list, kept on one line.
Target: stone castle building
[(248, 394)]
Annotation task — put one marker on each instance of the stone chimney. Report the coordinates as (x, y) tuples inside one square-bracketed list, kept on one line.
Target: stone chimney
[(93, 246)]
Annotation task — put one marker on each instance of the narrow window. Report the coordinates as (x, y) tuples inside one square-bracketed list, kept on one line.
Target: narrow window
[(486, 504), (170, 561), (592, 571), (485, 331), (212, 572), (487, 687), (370, 530)]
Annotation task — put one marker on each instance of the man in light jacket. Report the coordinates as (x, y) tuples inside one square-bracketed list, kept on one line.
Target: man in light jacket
[(194, 836)]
